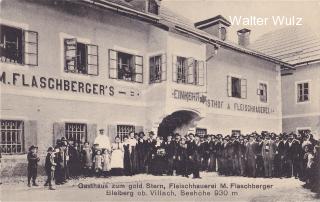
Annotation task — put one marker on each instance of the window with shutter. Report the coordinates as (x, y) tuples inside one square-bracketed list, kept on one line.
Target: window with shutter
[(163, 67), (191, 68), (76, 132), (201, 73), (92, 59), (124, 66), (124, 130), (156, 71), (58, 131), (229, 86), (30, 41), (243, 88), (81, 58), (174, 68), (113, 70), (18, 46)]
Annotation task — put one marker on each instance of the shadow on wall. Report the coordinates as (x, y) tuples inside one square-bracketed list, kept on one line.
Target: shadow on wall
[(177, 122)]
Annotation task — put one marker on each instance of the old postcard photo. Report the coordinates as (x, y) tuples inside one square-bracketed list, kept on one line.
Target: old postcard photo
[(160, 100)]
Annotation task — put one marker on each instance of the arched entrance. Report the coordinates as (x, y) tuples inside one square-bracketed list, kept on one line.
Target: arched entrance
[(178, 122)]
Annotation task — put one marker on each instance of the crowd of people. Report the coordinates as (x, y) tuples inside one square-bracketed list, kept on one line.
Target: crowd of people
[(254, 155)]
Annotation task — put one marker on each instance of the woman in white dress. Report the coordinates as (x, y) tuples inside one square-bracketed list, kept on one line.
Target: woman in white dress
[(117, 157)]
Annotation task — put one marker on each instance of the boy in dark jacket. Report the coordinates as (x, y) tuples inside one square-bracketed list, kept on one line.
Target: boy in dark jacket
[(50, 167), (32, 165)]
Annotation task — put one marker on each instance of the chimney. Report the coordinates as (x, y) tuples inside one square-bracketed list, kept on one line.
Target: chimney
[(244, 37), (216, 26)]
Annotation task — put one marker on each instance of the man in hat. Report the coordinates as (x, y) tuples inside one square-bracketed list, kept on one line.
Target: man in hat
[(251, 156), (278, 157), (268, 151), (50, 167), (33, 160), (103, 141)]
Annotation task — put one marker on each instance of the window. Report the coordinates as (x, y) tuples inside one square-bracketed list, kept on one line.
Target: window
[(153, 7), (158, 68), (236, 132), (201, 132), (237, 87), (80, 58), (11, 137), (124, 66), (303, 131), (18, 46), (76, 132), (303, 92), (263, 92), (188, 71), (124, 130)]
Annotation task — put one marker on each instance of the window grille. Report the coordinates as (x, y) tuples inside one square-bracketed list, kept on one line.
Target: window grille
[(124, 130), (76, 132), (201, 131), (12, 137)]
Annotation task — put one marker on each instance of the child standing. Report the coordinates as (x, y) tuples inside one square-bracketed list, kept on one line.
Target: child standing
[(86, 158), (32, 165), (98, 163), (50, 166), (106, 163)]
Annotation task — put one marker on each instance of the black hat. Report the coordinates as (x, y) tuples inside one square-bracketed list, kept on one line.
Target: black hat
[(32, 147), (50, 149)]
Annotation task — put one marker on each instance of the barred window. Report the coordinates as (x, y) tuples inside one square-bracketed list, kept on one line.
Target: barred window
[(201, 131), (236, 132), (124, 130), (124, 66), (12, 137), (303, 92), (76, 132), (18, 46)]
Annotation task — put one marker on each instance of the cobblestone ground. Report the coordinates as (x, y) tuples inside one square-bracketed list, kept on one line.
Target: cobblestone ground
[(130, 189)]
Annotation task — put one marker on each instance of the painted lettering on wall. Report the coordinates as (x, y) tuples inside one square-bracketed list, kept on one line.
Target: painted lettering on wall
[(219, 104), (41, 82)]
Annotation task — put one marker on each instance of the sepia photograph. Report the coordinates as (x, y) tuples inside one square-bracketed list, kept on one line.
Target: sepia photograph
[(160, 100)]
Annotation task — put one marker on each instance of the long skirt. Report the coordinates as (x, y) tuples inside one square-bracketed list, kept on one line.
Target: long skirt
[(117, 159)]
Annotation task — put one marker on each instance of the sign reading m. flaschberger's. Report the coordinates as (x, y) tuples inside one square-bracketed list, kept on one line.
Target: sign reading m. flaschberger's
[(43, 82)]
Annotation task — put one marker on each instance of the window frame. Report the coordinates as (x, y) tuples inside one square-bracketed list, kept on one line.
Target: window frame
[(26, 46), (205, 130), (162, 68), (76, 123), (22, 136), (266, 91), (303, 128), (192, 67), (243, 83), (66, 69), (116, 69), (297, 83), (126, 133)]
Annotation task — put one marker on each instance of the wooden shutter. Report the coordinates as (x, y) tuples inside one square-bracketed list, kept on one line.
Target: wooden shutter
[(92, 59), (70, 52), (201, 72), (138, 68), (112, 132), (58, 131), (30, 42), (138, 129), (30, 133), (190, 70), (174, 68), (113, 60), (91, 133), (163, 67), (243, 84), (229, 86)]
